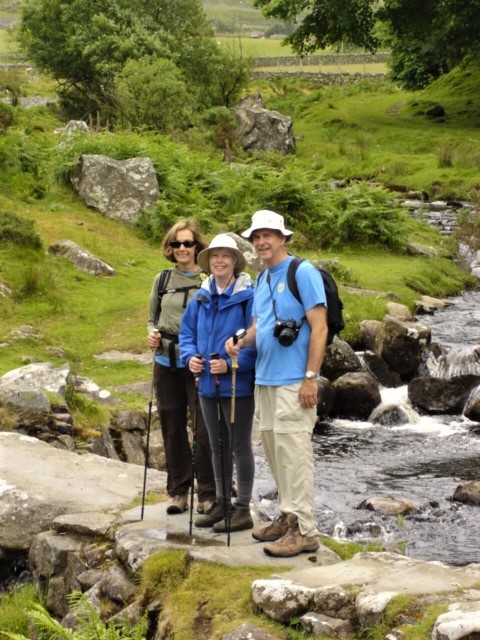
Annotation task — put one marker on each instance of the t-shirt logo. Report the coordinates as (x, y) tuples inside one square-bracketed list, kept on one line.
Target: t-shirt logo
[(281, 287)]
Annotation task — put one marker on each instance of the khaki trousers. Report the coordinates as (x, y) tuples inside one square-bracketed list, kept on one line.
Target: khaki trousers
[(286, 429)]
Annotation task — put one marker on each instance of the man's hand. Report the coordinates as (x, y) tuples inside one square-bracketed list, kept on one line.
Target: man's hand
[(233, 348), (309, 393)]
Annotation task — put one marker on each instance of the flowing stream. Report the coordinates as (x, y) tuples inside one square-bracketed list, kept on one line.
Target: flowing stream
[(421, 463)]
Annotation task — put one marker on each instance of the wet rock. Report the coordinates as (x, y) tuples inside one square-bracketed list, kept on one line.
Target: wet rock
[(339, 359), (369, 330), (356, 396), (393, 415), (468, 493), (401, 344), (388, 506), (472, 408), (438, 395), (377, 366), (325, 398)]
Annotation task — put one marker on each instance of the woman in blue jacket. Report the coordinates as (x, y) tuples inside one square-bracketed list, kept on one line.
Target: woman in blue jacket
[(221, 307)]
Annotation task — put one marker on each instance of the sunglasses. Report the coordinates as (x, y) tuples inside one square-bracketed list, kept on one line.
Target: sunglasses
[(188, 244)]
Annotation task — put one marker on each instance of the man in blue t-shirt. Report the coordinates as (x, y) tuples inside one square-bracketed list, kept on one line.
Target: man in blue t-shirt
[(290, 338)]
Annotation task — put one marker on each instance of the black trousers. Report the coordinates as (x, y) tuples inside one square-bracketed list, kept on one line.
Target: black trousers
[(175, 395)]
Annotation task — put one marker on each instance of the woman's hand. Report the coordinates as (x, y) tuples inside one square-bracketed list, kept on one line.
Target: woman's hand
[(195, 364), (217, 366), (153, 339)]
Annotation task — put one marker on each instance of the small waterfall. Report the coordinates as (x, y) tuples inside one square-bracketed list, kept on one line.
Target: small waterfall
[(458, 361)]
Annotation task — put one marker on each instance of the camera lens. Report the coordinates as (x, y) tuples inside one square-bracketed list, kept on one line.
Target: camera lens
[(286, 337)]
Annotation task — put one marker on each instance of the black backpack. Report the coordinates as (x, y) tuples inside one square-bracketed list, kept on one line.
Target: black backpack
[(335, 320)]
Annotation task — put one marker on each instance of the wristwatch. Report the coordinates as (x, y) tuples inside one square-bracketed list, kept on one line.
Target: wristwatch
[(309, 375)]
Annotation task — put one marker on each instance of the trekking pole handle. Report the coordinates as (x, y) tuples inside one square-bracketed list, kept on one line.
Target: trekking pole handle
[(238, 335), (215, 356), (197, 375)]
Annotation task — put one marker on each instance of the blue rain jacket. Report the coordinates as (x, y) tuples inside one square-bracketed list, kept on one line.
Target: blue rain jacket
[(209, 320)]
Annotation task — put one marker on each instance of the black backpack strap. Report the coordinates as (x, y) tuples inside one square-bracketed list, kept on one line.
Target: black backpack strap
[(292, 279), (162, 289)]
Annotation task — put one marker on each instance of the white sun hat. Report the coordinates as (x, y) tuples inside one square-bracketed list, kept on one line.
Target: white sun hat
[(222, 241), (265, 219)]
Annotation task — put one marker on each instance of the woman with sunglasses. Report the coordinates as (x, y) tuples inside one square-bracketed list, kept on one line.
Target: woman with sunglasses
[(173, 383)]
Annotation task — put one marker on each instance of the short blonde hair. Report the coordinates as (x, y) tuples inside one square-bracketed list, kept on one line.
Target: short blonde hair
[(171, 235)]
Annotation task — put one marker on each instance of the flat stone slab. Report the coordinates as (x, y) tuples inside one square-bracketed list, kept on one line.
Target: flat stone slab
[(83, 482), (137, 539), (381, 572)]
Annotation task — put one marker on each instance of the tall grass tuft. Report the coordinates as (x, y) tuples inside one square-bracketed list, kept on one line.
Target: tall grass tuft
[(445, 154)]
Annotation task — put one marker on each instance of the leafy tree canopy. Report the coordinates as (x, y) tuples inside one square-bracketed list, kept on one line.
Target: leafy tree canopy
[(426, 38), (85, 45)]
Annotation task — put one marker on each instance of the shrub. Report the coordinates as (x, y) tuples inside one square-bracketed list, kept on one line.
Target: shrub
[(17, 230), (152, 94), (7, 116)]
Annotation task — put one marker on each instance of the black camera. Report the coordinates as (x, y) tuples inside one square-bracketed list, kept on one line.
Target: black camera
[(286, 331)]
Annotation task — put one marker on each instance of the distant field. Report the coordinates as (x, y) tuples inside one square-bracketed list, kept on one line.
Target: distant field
[(236, 16), (256, 47)]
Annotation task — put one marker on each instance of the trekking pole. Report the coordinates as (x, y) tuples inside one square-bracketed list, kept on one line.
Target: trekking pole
[(149, 424), (237, 336), (194, 445), (215, 356)]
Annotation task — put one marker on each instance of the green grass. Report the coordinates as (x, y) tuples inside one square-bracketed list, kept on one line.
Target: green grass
[(369, 132), (255, 47)]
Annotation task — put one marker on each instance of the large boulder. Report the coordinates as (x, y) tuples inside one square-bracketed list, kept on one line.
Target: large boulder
[(49, 483), (439, 395), (340, 359), (119, 189), (356, 396), (401, 343), (259, 129)]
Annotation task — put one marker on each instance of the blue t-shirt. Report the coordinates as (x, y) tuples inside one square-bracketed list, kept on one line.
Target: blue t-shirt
[(278, 365)]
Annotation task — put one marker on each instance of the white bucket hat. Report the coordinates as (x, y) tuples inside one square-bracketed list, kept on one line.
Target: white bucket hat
[(265, 219), (222, 241)]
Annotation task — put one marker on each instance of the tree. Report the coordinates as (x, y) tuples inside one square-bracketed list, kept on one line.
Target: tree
[(426, 38), (85, 44), (151, 93)]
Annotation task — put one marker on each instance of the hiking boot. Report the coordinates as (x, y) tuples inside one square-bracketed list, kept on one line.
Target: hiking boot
[(272, 531), (213, 515), (240, 519), (292, 543), (178, 504), (204, 506)]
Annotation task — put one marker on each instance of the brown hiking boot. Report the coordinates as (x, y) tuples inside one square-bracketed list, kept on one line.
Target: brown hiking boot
[(177, 504), (213, 515), (292, 543), (240, 520), (272, 531), (203, 507)]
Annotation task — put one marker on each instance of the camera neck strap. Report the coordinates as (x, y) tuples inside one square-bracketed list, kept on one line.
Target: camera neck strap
[(274, 304)]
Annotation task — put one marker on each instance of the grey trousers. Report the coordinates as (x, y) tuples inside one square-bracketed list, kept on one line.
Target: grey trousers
[(225, 441)]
